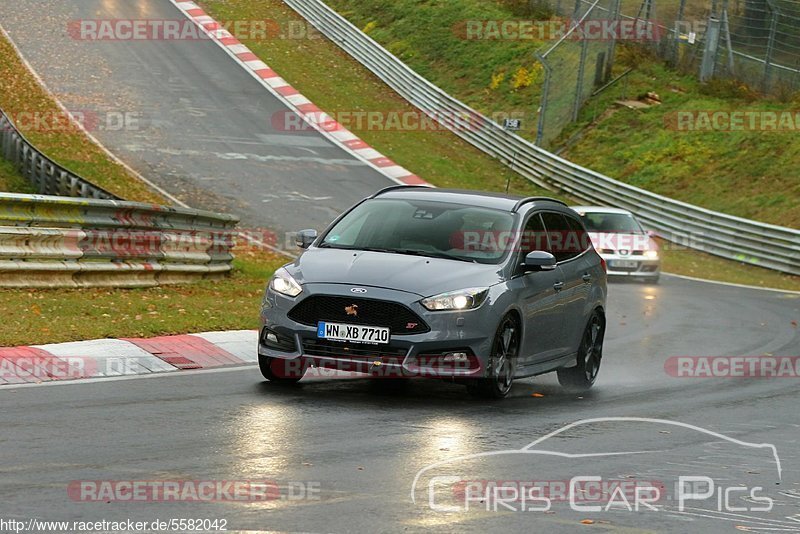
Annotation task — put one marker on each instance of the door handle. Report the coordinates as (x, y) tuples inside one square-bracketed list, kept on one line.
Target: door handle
[(558, 286), (586, 277)]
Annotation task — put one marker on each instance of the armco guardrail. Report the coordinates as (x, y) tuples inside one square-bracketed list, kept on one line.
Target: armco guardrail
[(48, 241), (47, 176), (770, 246)]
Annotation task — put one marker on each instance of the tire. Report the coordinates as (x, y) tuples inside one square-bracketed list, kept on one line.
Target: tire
[(502, 362), (279, 371), (590, 354)]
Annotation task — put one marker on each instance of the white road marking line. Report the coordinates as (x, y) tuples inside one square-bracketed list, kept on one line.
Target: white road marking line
[(731, 284), (105, 380)]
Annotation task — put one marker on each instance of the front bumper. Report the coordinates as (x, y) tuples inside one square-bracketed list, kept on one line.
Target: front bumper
[(641, 267), (407, 355)]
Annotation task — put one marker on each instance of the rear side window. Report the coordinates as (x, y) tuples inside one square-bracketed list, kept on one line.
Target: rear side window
[(579, 230), (567, 239)]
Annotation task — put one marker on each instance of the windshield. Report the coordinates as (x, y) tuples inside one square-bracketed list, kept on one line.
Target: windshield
[(425, 228), (611, 223)]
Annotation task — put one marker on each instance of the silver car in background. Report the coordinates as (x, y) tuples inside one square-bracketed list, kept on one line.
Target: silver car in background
[(472, 287), (627, 248)]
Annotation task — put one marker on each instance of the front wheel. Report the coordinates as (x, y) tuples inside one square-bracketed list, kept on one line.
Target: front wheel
[(281, 371), (502, 363), (583, 376)]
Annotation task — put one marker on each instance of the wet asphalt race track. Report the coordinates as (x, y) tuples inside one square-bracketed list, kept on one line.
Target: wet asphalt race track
[(205, 129), (359, 444)]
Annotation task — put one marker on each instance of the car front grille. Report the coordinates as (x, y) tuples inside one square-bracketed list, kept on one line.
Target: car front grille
[(624, 269), (367, 312), (354, 351)]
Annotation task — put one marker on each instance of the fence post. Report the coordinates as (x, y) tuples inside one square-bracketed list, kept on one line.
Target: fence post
[(677, 40), (612, 46), (543, 107), (710, 50), (726, 29), (579, 82), (773, 28)]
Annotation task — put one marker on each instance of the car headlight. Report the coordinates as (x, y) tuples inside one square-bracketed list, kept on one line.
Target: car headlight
[(651, 254), (464, 299), (283, 283)]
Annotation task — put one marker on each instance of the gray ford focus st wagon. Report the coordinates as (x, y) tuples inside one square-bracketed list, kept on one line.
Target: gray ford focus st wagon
[(480, 288)]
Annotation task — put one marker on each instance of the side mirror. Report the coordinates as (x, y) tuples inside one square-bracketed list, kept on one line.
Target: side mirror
[(651, 233), (304, 238), (539, 260)]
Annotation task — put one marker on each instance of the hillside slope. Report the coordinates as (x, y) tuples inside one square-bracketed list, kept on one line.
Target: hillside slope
[(746, 173)]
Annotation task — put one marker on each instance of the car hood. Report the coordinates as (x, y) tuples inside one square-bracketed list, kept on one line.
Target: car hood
[(415, 274), (603, 240)]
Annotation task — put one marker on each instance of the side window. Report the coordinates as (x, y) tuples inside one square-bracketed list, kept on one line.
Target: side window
[(578, 231), (565, 244), (533, 236)]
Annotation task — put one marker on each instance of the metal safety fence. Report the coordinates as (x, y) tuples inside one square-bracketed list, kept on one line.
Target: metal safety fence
[(87, 237), (724, 235), (48, 241), (46, 176)]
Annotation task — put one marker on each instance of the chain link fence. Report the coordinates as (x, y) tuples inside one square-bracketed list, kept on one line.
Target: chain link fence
[(760, 44), (581, 61), (756, 42)]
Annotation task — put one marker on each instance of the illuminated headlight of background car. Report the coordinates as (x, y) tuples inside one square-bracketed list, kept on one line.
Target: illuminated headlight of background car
[(464, 299), (283, 283), (651, 254)]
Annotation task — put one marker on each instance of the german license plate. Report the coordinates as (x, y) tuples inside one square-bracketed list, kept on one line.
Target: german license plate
[(625, 264), (376, 335)]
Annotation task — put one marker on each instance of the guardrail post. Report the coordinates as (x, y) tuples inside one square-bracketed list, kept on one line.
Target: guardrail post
[(16, 153)]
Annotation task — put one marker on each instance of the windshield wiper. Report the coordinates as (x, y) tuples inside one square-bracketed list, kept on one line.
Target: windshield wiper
[(431, 254), (351, 247)]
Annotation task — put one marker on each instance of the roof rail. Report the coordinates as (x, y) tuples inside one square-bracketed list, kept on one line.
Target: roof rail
[(395, 187), (524, 201)]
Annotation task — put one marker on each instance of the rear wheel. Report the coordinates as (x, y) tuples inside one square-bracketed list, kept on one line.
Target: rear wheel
[(590, 354), (281, 371), (502, 362)]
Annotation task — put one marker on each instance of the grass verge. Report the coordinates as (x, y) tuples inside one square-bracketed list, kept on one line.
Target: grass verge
[(11, 181), (701, 265), (21, 93), (36, 316)]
